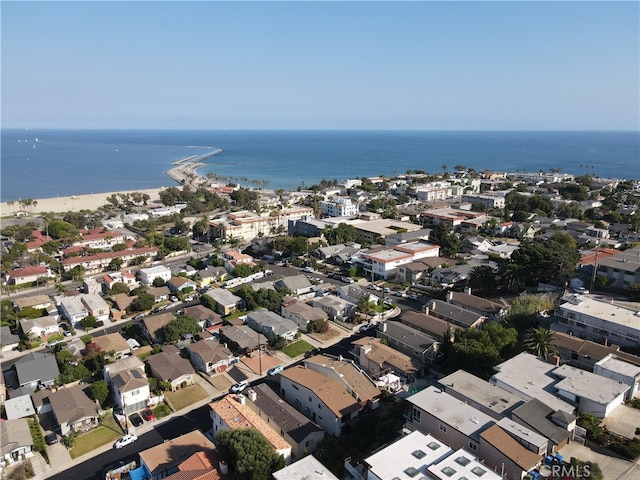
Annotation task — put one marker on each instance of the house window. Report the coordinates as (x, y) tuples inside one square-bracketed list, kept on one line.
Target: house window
[(310, 399), (442, 428), (433, 445), (416, 414), (295, 387), (297, 404), (473, 446), (464, 461)]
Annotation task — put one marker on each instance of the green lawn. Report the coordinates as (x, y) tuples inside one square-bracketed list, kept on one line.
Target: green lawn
[(109, 431), (297, 348), (185, 396)]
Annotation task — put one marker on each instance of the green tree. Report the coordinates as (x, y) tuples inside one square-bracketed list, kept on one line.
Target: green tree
[(243, 270), (89, 322), (539, 341), (183, 325), (448, 241), (483, 279), (249, 453), (200, 228), (144, 302), (59, 229), (118, 287), (208, 301), (99, 391), (114, 265), (158, 282), (365, 305)]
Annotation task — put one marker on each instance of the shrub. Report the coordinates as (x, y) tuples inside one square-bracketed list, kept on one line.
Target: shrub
[(627, 448)]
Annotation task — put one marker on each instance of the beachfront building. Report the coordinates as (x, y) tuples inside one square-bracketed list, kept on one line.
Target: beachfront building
[(99, 238), (246, 225), (339, 207)]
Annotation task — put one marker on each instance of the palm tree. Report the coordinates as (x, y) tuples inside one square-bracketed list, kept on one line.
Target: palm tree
[(539, 341), (482, 278), (512, 277), (200, 227), (365, 305)]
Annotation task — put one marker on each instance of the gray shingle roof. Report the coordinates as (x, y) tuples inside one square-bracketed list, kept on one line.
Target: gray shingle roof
[(286, 417), (36, 366)]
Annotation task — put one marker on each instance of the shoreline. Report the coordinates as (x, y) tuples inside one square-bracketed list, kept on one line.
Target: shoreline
[(184, 172)]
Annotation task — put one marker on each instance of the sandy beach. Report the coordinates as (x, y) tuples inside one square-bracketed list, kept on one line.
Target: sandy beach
[(183, 172), (75, 203)]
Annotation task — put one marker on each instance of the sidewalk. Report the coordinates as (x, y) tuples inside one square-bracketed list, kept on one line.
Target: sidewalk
[(64, 461)]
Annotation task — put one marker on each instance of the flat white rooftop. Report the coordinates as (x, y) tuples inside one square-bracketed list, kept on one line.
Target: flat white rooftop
[(415, 450), (530, 376), (607, 311), (462, 464), (306, 468), (588, 385), (614, 364), (450, 410), (480, 391)]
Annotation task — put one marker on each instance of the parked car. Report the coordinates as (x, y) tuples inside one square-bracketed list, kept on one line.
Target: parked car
[(275, 370), (136, 419), (188, 299), (367, 326), (51, 438), (312, 352), (124, 441), (148, 415), (308, 269), (173, 298), (240, 386)]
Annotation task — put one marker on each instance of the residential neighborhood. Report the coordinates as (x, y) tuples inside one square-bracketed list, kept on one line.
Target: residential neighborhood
[(335, 330)]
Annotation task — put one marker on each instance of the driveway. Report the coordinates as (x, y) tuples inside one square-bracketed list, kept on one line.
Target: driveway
[(623, 420), (612, 468)]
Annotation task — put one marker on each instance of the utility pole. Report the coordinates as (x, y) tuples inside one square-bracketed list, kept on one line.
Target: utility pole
[(595, 267)]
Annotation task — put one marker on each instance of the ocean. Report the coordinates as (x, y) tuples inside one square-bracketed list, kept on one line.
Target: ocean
[(49, 163)]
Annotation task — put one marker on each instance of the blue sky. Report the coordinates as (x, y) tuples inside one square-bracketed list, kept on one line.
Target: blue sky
[(359, 65)]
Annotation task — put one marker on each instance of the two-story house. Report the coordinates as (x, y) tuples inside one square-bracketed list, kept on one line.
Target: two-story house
[(329, 392), (129, 383), (301, 433), (302, 314), (231, 412)]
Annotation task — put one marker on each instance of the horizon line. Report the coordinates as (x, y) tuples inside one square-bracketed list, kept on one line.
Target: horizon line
[(318, 129)]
